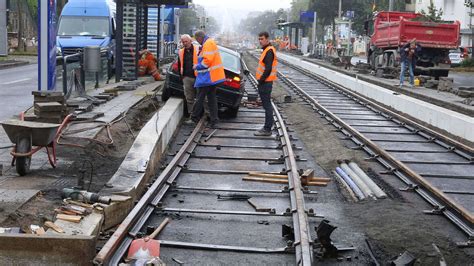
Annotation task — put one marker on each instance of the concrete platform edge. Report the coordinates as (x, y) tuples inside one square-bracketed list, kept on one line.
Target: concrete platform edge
[(142, 161), (455, 123), (66, 249), (46, 249)]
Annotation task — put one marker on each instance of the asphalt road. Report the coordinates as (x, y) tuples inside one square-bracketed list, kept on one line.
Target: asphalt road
[(16, 85)]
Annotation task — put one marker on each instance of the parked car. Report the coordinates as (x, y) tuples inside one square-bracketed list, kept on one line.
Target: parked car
[(229, 93), (467, 51), (458, 55)]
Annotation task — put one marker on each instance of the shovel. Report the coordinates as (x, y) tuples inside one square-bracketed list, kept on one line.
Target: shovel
[(147, 247)]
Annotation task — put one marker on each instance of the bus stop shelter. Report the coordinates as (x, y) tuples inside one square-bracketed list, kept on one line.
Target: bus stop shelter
[(294, 31), (132, 33)]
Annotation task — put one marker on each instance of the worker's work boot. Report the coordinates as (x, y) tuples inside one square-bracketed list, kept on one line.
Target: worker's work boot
[(263, 132)]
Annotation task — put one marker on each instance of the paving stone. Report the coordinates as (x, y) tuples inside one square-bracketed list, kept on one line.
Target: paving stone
[(47, 93), (13, 199), (89, 116), (49, 106)]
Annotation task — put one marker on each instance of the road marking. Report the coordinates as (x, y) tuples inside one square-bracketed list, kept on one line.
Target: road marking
[(15, 81)]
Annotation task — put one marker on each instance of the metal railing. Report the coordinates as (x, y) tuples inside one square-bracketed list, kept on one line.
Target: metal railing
[(77, 81)]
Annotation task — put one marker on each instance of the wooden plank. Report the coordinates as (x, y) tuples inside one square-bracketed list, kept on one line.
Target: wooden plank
[(69, 218), (260, 174), (265, 180), (258, 208), (54, 227)]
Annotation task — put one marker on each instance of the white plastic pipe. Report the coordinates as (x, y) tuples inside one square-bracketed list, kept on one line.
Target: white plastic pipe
[(346, 186), (361, 184), (367, 180)]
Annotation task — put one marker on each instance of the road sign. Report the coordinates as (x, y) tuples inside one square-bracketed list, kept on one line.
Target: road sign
[(349, 14), (47, 45), (307, 16)]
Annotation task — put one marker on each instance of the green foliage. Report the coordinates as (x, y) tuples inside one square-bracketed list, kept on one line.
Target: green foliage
[(433, 14), (265, 21), (33, 8), (469, 3), (188, 20), (212, 27), (296, 7), (328, 10), (468, 62)]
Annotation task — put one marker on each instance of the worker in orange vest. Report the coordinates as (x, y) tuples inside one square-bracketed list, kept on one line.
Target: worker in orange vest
[(187, 59), (147, 65), (266, 74), (210, 72)]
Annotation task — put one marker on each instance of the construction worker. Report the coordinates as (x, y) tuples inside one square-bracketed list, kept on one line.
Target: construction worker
[(147, 65), (187, 58), (210, 72), (266, 74), (408, 56)]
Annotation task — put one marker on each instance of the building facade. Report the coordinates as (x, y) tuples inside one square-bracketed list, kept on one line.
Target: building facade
[(452, 10)]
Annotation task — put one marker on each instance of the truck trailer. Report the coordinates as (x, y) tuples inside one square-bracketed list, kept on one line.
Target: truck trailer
[(394, 29)]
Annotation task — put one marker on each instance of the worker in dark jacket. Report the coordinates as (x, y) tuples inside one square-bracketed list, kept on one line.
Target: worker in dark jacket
[(187, 59), (408, 55), (266, 74)]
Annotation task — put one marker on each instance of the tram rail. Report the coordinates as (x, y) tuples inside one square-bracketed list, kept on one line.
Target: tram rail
[(437, 167), (207, 144)]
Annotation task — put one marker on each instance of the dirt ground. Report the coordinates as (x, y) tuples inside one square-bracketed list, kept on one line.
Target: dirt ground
[(96, 162), (391, 225)]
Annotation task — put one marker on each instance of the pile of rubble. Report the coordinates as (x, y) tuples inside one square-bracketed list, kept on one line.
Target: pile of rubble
[(446, 84)]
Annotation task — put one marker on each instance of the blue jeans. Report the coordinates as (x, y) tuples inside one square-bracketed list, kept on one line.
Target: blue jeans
[(410, 71), (265, 92)]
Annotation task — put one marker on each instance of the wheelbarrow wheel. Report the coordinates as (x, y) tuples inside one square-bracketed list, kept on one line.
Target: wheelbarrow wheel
[(23, 163)]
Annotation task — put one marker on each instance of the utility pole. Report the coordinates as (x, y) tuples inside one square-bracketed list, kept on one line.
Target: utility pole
[(161, 9), (21, 43), (3, 28), (177, 13), (470, 24), (390, 5), (339, 14), (314, 34)]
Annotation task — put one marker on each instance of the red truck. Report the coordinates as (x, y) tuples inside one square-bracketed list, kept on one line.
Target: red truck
[(394, 29)]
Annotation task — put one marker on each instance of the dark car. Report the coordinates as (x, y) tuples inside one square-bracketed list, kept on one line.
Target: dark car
[(229, 93)]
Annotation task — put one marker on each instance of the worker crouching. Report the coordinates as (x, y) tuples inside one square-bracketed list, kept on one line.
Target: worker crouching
[(147, 65)]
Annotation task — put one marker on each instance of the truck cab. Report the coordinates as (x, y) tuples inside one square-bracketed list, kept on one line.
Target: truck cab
[(87, 23)]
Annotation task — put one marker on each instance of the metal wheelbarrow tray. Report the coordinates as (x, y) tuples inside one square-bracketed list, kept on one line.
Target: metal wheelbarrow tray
[(25, 134)]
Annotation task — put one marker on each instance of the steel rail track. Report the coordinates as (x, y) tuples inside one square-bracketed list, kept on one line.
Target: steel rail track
[(387, 137), (151, 203)]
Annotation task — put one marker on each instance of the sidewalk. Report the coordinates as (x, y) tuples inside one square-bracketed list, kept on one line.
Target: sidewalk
[(440, 98), (12, 63), (43, 177), (17, 60)]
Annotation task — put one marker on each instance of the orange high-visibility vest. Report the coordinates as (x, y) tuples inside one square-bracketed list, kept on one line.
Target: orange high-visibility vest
[(181, 58), (210, 70), (261, 65)]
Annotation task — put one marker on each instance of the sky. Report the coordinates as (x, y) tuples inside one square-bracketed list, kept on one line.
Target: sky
[(230, 12), (245, 5)]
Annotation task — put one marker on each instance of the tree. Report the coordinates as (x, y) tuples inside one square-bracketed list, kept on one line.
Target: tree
[(262, 21), (188, 21), (433, 14), (212, 27), (296, 7), (327, 11)]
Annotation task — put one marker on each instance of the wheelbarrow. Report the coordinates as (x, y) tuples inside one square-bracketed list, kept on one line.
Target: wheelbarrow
[(25, 135)]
